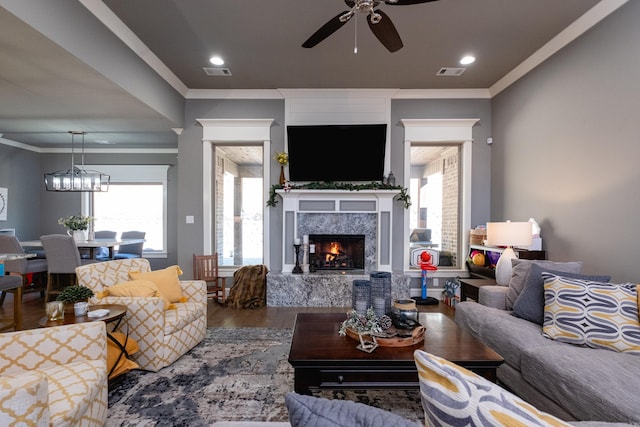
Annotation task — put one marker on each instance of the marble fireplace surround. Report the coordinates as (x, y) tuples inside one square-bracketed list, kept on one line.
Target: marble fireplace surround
[(368, 212)]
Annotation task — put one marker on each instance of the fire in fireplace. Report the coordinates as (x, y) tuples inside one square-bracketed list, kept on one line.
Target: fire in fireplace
[(337, 252)]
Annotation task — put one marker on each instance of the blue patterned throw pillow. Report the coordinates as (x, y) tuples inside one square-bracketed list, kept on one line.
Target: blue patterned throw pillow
[(454, 396), (593, 314)]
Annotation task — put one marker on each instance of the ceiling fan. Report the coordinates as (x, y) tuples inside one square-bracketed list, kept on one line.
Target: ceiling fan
[(378, 21)]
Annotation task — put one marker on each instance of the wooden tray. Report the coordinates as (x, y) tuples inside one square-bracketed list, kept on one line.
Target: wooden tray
[(417, 336)]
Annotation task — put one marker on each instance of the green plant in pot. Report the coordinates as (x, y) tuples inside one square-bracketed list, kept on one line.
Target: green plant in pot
[(73, 294)]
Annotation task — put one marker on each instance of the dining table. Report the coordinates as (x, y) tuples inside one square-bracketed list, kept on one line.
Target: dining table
[(90, 245)]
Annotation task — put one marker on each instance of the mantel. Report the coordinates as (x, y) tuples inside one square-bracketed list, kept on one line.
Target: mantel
[(335, 193)]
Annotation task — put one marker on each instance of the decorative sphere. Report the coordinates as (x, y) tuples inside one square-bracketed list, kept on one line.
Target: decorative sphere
[(478, 259)]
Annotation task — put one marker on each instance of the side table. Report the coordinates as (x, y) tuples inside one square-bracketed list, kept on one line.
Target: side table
[(470, 288), (116, 314)]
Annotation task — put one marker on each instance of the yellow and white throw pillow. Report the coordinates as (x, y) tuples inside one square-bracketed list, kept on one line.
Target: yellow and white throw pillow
[(593, 314), (454, 396)]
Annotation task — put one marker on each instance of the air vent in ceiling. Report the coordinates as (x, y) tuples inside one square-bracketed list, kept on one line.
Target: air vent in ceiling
[(450, 71), (217, 71)]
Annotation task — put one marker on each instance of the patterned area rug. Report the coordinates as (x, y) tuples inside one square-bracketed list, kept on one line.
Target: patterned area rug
[(232, 375)]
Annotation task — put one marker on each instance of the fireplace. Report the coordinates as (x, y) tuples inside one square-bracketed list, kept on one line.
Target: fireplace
[(367, 213), (337, 252)]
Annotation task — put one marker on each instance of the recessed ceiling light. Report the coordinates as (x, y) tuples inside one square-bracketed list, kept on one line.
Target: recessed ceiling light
[(216, 60), (468, 59)]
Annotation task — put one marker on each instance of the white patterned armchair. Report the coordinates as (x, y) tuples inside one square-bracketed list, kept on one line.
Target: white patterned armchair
[(162, 335), (54, 376)]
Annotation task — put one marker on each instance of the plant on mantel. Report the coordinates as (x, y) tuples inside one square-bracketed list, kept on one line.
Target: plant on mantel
[(403, 196)]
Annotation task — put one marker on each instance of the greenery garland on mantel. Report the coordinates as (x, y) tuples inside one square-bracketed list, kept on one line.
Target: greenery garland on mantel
[(403, 196)]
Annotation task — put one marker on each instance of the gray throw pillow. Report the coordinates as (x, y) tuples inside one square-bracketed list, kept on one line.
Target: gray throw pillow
[(530, 302), (520, 271), (307, 411)]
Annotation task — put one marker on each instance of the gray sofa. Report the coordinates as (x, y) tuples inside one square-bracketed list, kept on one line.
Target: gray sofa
[(568, 381)]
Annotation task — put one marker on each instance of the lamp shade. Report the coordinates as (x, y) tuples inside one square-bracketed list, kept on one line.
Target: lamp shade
[(509, 233)]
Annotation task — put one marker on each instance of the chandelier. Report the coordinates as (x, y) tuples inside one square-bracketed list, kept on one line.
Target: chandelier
[(76, 179)]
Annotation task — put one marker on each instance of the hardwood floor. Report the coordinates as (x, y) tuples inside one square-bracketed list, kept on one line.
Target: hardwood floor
[(217, 314)]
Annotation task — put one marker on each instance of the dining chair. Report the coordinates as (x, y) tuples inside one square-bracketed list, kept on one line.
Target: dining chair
[(130, 251), (62, 259), (205, 267), (102, 253), (13, 284), (20, 267)]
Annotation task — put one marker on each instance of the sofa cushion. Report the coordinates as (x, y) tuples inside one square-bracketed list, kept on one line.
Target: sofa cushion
[(509, 336), (591, 384), (317, 411), (183, 314), (73, 387), (24, 399), (530, 303), (454, 396), (520, 271), (595, 314)]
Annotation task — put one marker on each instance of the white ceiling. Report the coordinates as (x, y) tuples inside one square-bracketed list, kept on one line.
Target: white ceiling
[(54, 79)]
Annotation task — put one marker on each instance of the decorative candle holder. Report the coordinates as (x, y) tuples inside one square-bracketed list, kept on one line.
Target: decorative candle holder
[(297, 269)]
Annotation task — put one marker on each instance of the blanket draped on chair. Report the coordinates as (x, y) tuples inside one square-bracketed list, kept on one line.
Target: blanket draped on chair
[(249, 289)]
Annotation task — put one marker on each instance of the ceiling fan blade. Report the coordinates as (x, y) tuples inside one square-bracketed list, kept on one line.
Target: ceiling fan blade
[(326, 30), (386, 32), (406, 2)]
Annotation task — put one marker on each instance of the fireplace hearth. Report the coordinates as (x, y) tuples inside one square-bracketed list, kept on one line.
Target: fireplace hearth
[(337, 252)]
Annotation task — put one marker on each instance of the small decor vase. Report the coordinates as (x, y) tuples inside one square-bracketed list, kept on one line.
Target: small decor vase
[(282, 179), (78, 235)]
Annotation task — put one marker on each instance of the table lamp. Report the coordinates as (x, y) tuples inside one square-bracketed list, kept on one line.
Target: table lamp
[(507, 234)]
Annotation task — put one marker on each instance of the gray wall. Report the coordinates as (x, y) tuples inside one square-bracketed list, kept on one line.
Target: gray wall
[(33, 211), (190, 200), (20, 174), (190, 144), (566, 149), (451, 109)]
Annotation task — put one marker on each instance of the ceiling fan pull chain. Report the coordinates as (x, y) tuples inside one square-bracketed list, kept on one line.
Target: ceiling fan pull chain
[(355, 37)]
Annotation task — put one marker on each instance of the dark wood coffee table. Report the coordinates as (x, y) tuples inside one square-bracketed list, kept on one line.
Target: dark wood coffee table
[(321, 358)]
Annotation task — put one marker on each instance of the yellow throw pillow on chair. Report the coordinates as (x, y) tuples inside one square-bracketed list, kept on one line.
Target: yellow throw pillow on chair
[(166, 280), (135, 288)]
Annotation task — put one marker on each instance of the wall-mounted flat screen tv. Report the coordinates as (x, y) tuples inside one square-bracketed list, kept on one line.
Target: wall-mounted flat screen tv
[(336, 153)]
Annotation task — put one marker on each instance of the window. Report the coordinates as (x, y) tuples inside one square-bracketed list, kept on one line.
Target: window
[(434, 191), (136, 200), (239, 204), (437, 158)]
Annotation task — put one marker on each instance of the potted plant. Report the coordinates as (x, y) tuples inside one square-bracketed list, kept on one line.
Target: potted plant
[(77, 225), (73, 294)]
